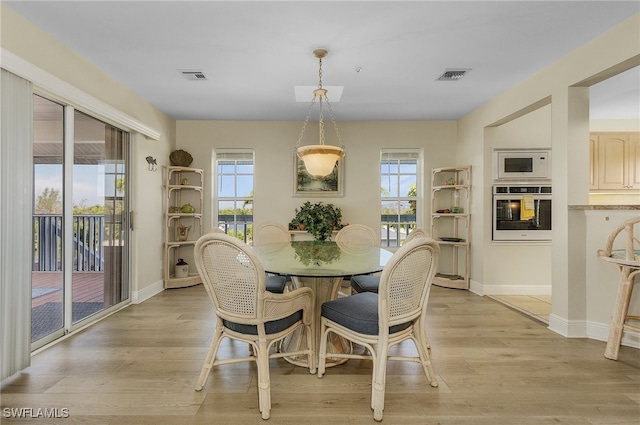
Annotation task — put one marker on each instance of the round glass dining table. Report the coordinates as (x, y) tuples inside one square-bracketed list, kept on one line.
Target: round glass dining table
[(321, 266)]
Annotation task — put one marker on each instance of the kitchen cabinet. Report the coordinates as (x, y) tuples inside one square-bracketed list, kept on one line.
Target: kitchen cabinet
[(183, 224), (450, 224), (614, 161)]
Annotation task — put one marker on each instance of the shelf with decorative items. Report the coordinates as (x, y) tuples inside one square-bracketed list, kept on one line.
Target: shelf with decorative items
[(183, 224), (450, 224)]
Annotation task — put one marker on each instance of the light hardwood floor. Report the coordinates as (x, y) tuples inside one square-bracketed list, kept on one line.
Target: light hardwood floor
[(494, 365), (537, 307)]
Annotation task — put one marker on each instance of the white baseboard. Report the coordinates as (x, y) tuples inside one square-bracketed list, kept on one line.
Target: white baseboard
[(476, 287), (600, 332), (591, 330), (149, 291), (568, 328)]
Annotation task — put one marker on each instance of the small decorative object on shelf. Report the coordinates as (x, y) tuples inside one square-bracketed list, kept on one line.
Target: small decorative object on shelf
[(450, 224), (319, 219), (182, 232), (183, 224), (181, 268), (180, 158)]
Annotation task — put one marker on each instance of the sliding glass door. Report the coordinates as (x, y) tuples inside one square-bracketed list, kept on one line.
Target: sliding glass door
[(80, 265), (47, 279)]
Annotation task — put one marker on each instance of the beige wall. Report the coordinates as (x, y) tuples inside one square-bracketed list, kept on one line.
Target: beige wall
[(614, 125), (516, 267), (274, 144), (27, 41), (564, 86)]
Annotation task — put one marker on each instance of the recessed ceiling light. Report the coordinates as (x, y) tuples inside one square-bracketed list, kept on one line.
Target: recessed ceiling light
[(453, 74)]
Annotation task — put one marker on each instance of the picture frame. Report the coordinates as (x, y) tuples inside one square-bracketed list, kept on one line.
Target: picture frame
[(305, 185)]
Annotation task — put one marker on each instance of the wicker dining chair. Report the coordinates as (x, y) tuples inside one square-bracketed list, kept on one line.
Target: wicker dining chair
[(275, 284), (379, 321), (370, 283), (270, 232), (273, 232), (245, 311), (358, 234)]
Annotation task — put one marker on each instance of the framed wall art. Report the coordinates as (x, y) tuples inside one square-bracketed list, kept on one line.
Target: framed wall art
[(305, 185)]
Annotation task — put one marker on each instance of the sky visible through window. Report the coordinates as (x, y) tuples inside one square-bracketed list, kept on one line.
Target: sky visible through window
[(88, 182)]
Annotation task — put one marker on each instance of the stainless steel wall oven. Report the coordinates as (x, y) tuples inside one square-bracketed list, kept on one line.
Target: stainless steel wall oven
[(522, 212)]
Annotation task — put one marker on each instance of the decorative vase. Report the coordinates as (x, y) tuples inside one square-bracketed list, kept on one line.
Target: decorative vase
[(182, 232), (181, 268)]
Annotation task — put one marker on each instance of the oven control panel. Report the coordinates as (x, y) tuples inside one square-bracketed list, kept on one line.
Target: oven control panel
[(498, 189)]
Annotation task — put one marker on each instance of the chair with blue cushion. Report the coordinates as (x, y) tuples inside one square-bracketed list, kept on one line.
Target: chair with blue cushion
[(369, 283), (357, 234), (379, 321), (272, 232), (245, 311), (275, 284)]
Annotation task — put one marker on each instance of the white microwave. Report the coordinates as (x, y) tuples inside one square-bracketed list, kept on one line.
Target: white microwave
[(522, 164)]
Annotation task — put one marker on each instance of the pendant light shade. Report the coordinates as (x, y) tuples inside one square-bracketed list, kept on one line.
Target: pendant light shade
[(320, 159)]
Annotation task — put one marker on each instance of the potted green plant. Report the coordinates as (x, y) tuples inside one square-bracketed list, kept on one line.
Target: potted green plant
[(318, 219)]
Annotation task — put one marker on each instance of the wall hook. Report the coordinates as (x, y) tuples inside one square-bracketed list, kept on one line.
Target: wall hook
[(152, 164)]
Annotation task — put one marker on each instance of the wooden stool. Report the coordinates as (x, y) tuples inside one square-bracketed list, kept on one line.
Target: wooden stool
[(628, 261)]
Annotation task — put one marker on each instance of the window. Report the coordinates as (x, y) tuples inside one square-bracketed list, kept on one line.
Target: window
[(234, 192), (401, 194)]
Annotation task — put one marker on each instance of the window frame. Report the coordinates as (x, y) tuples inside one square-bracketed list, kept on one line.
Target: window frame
[(233, 155), (399, 155)]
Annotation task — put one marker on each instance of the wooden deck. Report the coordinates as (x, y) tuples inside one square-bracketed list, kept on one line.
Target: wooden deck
[(86, 287)]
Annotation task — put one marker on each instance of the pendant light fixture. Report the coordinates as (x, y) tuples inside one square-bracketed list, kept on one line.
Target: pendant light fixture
[(320, 159)]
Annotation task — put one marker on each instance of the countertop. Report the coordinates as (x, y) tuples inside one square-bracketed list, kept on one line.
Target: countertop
[(603, 207)]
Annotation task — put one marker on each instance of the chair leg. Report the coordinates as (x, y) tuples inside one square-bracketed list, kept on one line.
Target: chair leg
[(378, 381), (619, 314), (211, 355), (264, 384), (311, 344), (322, 351), (425, 360)]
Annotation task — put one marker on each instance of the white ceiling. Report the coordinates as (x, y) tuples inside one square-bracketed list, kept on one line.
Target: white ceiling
[(254, 53)]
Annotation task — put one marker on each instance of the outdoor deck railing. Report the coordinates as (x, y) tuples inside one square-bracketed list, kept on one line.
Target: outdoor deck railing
[(393, 231), (88, 242), (89, 237), (394, 228), (238, 225)]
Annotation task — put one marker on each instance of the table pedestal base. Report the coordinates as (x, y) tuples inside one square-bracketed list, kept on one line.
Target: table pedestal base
[(325, 289)]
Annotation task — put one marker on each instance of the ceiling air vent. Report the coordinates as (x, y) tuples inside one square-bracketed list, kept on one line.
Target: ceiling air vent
[(193, 75), (452, 74)]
